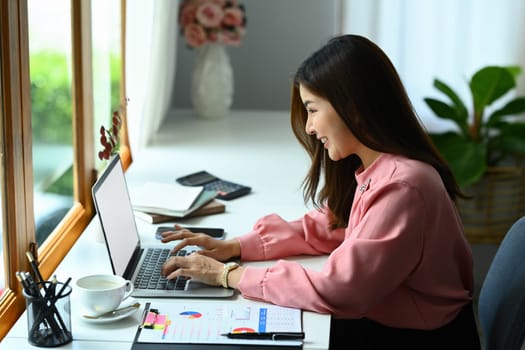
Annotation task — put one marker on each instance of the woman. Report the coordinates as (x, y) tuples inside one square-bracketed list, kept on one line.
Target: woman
[(399, 271)]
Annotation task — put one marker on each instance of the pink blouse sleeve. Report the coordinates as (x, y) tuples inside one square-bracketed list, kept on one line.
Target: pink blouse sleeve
[(272, 237)]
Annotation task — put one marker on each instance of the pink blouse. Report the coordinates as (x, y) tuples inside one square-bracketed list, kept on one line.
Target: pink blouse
[(403, 260)]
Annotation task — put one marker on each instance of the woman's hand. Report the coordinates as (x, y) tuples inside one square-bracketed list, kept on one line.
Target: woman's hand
[(196, 266), (221, 250)]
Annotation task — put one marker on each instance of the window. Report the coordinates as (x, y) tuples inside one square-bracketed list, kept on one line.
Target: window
[(48, 140), (2, 236), (50, 77)]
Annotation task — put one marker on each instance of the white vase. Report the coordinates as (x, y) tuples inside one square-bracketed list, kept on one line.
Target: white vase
[(212, 82)]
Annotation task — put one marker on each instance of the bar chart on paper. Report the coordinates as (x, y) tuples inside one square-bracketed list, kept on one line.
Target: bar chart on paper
[(206, 323)]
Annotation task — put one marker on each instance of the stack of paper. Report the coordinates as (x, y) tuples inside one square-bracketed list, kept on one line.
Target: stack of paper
[(212, 207), (171, 199)]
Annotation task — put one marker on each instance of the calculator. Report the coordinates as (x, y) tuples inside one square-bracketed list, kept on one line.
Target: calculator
[(225, 189)]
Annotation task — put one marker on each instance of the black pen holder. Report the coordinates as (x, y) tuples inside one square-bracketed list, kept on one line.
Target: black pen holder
[(49, 315)]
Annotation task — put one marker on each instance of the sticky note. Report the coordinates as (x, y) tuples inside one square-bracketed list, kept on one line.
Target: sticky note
[(150, 320), (160, 322)]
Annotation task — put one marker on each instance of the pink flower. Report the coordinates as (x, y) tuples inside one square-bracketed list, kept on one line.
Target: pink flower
[(187, 14), (195, 35), (209, 15), (233, 17), (211, 21)]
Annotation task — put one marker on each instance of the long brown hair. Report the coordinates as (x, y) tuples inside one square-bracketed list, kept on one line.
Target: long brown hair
[(362, 85)]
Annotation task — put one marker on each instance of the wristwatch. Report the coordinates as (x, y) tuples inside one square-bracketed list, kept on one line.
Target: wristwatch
[(229, 266)]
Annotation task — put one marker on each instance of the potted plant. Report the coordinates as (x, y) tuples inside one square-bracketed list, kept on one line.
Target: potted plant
[(489, 140), (480, 140)]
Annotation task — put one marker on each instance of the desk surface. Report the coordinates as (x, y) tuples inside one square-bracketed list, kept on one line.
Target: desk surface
[(253, 148)]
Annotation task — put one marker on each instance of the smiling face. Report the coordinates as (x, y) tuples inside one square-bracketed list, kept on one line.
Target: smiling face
[(324, 122)]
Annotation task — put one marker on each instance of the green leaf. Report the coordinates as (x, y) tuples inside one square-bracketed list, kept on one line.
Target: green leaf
[(467, 159), (514, 70), (441, 109), (445, 111), (460, 107), (490, 83), (514, 107)]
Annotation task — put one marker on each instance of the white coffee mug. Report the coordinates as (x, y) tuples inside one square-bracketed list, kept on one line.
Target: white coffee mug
[(99, 294)]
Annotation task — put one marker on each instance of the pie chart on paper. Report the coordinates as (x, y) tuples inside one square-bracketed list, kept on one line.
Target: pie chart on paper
[(243, 330), (191, 314)]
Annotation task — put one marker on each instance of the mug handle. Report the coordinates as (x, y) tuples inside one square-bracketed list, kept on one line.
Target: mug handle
[(129, 290)]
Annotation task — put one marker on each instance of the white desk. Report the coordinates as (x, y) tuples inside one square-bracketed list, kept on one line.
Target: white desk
[(253, 148)]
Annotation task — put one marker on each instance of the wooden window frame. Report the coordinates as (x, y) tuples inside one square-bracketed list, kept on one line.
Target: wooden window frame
[(15, 111)]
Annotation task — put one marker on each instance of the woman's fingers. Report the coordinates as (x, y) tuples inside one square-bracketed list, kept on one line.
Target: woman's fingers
[(217, 249), (178, 233), (195, 266), (191, 238), (200, 240)]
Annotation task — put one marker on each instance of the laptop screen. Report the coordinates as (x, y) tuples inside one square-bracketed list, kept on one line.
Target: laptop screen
[(115, 212)]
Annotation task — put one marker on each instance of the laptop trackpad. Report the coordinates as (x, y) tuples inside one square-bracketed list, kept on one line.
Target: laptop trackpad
[(199, 289)]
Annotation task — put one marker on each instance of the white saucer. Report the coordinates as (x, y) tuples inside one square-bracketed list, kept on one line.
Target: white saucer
[(115, 316)]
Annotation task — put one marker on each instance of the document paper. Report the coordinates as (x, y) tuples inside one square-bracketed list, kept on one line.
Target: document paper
[(154, 196), (204, 323)]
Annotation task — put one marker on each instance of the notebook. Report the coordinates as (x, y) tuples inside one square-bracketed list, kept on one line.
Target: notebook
[(113, 205)]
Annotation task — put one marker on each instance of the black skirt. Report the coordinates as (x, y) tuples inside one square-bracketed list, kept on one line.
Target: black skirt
[(460, 333)]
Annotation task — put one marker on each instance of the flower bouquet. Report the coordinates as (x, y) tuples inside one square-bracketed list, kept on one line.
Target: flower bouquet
[(212, 21)]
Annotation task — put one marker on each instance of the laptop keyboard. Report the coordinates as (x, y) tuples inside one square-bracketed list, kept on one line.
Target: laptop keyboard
[(149, 276)]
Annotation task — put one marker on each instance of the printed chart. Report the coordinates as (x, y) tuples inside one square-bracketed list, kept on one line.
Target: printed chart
[(207, 323)]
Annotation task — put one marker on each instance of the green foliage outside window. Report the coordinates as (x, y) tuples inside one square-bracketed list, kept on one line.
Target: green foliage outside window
[(51, 98), (51, 101)]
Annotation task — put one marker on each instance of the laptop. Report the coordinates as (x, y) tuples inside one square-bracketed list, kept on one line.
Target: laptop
[(127, 256)]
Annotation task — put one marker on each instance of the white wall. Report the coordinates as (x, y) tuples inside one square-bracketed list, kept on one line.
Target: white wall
[(280, 34)]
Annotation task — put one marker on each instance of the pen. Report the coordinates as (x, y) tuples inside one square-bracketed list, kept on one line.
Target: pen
[(64, 286), (32, 286), (52, 289), (34, 265), (22, 278), (266, 336)]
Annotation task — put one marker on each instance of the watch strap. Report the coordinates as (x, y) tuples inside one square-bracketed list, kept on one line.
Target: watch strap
[(229, 266)]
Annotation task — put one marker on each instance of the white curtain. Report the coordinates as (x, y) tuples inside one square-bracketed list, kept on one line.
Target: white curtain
[(447, 39), (151, 43)]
